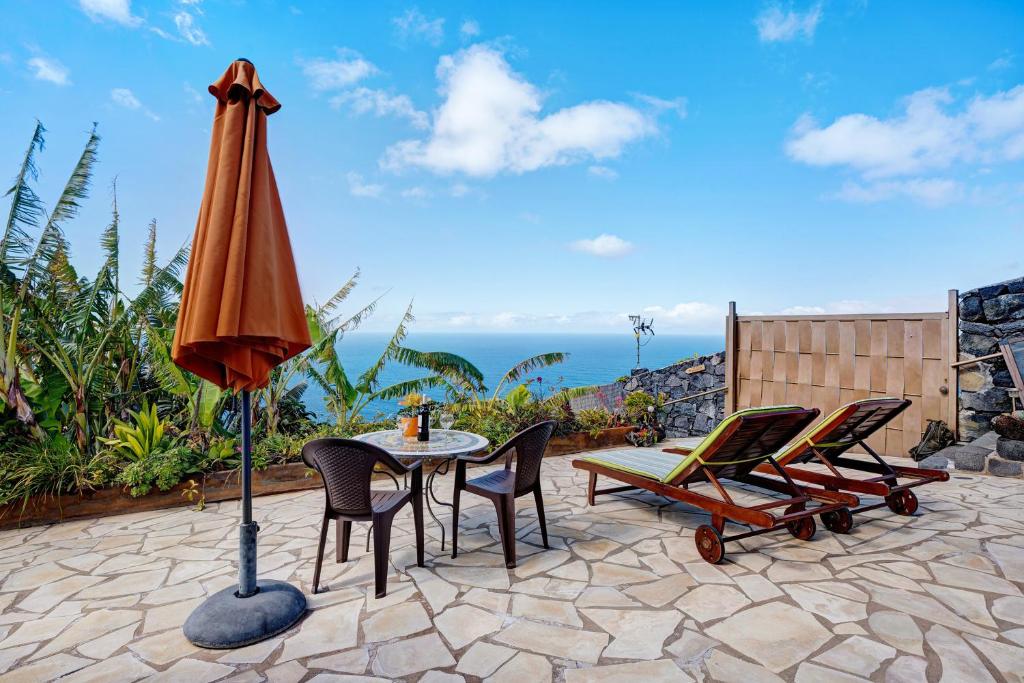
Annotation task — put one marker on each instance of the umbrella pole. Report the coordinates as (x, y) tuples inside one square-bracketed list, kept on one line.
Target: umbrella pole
[(255, 610), (248, 529)]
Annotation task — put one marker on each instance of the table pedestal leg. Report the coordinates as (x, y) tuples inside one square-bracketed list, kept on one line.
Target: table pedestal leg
[(446, 464)]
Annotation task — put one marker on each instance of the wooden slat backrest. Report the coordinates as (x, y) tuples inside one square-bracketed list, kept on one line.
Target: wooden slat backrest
[(857, 422), (748, 442)]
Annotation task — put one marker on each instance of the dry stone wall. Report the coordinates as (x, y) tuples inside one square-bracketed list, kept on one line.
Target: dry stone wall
[(696, 417), (987, 314)]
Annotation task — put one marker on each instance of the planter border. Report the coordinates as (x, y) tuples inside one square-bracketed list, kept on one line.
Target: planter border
[(217, 487)]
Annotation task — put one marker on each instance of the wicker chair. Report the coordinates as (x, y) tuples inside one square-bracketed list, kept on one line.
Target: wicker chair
[(346, 467), (504, 486)]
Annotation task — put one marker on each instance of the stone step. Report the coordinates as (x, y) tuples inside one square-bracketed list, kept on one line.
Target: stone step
[(1010, 449), (1004, 468)]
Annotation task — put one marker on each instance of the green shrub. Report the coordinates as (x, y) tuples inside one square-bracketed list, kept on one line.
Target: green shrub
[(51, 467), (637, 408), (162, 469), (593, 420)]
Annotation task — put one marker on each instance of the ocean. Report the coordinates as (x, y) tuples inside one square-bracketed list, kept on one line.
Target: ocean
[(593, 358)]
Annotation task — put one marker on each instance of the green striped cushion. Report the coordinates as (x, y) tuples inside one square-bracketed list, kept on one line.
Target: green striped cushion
[(662, 466), (646, 462)]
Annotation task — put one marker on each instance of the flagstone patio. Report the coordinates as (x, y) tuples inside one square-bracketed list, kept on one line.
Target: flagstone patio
[(621, 595)]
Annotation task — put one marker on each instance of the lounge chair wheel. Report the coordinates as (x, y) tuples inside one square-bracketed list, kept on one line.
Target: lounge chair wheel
[(709, 543), (838, 521), (902, 502), (803, 528)]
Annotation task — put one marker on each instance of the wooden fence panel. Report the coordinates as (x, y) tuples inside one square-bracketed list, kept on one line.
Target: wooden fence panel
[(828, 360)]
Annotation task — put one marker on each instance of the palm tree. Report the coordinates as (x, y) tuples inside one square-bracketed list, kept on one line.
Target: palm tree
[(525, 367), (347, 400), (67, 340)]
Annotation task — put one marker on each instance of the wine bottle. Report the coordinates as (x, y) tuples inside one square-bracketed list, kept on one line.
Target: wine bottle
[(424, 431)]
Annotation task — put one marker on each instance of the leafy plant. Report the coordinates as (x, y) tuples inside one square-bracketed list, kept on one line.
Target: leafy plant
[(518, 398), (162, 469), (222, 454), (142, 438), (594, 420), (193, 494), (51, 467), (640, 407)]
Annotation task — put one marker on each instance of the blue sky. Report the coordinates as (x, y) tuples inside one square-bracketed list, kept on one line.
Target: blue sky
[(556, 166)]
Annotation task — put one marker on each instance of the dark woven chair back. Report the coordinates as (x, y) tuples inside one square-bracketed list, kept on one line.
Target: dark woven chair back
[(529, 446), (346, 467), (866, 419), (757, 438)]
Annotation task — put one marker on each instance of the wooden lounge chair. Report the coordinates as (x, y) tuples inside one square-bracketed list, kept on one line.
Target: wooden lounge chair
[(830, 440), (741, 442)]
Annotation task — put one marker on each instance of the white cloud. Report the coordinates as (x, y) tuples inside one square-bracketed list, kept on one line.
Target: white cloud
[(348, 69), (930, 191), (123, 97), (661, 105), (843, 307), (603, 172), (381, 103), (490, 122), (688, 314), (357, 187), (470, 28), (691, 317), (506, 319), (776, 25), (414, 25), (605, 245), (459, 189), (803, 310), (118, 11), (416, 192), (162, 33), (926, 136), (1000, 63), (49, 69), (188, 29), (192, 94)]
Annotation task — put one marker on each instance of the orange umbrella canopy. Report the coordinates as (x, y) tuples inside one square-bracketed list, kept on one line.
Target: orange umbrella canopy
[(241, 309)]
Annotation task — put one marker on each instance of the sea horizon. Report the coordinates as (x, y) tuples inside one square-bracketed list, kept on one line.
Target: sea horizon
[(593, 358)]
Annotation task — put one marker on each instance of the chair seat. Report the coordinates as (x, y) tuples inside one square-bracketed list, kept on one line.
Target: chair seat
[(382, 501), (500, 481)]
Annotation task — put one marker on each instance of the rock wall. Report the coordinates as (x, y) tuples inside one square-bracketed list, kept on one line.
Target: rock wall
[(987, 314), (692, 376)]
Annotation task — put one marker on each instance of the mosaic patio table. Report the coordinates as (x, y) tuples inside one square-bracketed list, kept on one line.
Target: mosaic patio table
[(444, 445)]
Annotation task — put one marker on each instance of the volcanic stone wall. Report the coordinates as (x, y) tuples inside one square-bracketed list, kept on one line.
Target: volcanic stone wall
[(987, 314), (696, 417)]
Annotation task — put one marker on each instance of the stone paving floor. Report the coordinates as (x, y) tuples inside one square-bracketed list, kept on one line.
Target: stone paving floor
[(621, 595)]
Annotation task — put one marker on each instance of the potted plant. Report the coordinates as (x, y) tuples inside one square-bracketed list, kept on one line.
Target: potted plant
[(408, 412)]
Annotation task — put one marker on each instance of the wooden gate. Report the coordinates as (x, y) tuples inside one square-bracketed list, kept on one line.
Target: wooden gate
[(825, 361)]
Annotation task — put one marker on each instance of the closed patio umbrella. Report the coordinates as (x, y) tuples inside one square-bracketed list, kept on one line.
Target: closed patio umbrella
[(241, 315)]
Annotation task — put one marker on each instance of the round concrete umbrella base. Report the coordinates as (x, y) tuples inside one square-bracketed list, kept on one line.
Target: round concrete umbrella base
[(227, 621)]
